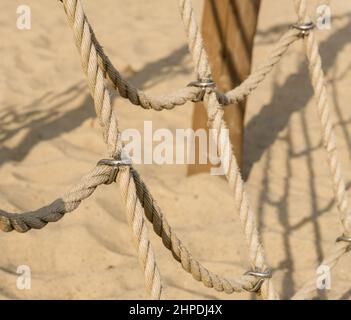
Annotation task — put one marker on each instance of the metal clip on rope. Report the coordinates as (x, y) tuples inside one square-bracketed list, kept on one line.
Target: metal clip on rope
[(203, 84), (344, 238), (305, 28), (115, 164), (262, 276)]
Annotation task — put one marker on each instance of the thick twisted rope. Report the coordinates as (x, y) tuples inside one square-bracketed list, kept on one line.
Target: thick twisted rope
[(329, 141), (108, 121), (39, 218), (324, 111), (202, 68), (130, 92), (135, 217), (180, 252), (180, 97), (88, 54), (70, 201), (242, 91), (215, 114), (138, 200), (236, 184), (55, 211), (136, 96)]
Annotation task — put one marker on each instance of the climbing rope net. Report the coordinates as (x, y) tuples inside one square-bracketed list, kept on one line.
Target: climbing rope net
[(139, 202)]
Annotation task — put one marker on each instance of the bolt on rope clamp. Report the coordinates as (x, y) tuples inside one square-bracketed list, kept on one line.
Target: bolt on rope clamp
[(305, 28), (203, 84), (115, 164), (344, 238), (262, 276)]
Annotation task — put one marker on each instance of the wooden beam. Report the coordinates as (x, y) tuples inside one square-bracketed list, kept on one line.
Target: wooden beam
[(228, 28)]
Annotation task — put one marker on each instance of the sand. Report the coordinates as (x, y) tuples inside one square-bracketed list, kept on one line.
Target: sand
[(50, 138)]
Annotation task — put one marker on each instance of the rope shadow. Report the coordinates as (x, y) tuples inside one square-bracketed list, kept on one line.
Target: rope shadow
[(41, 124), (44, 124), (278, 118), (257, 138)]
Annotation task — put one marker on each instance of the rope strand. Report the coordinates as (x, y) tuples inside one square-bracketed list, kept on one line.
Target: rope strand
[(139, 201)]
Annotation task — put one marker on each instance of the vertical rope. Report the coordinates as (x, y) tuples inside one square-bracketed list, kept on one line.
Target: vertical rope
[(195, 40), (108, 121), (215, 114), (135, 217), (324, 111), (83, 38), (329, 142)]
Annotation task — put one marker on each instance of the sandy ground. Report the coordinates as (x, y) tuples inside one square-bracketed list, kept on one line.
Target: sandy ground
[(50, 138)]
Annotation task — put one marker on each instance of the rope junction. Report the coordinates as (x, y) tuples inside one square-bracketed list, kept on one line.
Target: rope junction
[(139, 201)]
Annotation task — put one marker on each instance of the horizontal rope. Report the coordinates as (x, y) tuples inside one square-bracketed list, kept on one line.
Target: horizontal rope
[(180, 252), (180, 97), (56, 210), (139, 201)]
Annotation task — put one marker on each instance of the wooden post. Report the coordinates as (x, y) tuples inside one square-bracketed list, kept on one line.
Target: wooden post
[(228, 28)]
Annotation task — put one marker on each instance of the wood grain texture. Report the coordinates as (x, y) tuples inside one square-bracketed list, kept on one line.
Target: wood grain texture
[(228, 29)]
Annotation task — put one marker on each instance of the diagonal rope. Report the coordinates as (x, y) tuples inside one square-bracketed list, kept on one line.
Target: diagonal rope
[(139, 201), (135, 217), (329, 142), (180, 252), (108, 121), (180, 97), (236, 184)]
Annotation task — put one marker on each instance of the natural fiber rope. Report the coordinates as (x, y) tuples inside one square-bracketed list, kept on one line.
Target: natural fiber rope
[(69, 202), (180, 252), (236, 184), (56, 210), (135, 216), (180, 97), (215, 114), (324, 111), (39, 218), (329, 141), (138, 97), (98, 89), (138, 199), (242, 91), (83, 37)]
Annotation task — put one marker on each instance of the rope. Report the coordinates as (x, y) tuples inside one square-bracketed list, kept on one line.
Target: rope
[(180, 252), (251, 83), (329, 141), (180, 97), (139, 201), (55, 211), (236, 184), (136, 96), (108, 121), (135, 216), (88, 53), (324, 111)]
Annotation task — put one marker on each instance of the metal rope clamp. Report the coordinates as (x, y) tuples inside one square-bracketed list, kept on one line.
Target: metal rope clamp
[(305, 28), (115, 164), (203, 84), (344, 238), (262, 276)]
